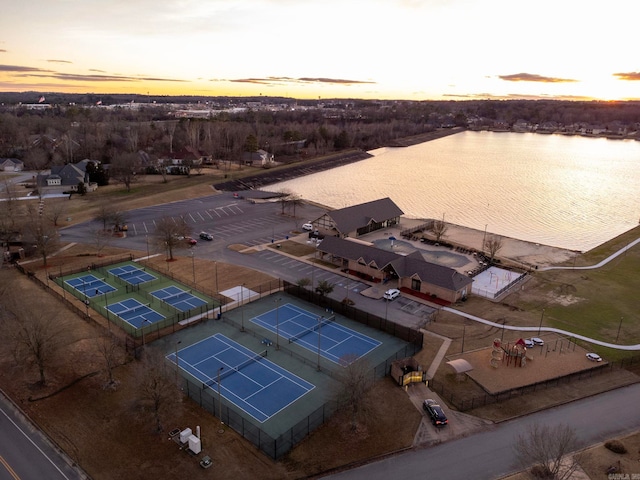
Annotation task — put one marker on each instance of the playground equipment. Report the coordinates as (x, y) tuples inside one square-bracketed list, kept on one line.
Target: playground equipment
[(516, 353)]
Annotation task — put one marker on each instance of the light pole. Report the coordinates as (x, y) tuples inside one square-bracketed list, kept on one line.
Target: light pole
[(193, 266), (177, 361), (319, 335), (219, 394), (216, 268), (541, 317), (142, 330), (241, 307), (147, 240), (277, 300), (106, 308), (619, 327)]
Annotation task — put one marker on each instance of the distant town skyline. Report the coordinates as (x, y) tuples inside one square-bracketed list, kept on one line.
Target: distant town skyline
[(379, 49)]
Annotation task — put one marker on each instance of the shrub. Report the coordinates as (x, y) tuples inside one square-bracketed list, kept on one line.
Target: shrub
[(615, 446)]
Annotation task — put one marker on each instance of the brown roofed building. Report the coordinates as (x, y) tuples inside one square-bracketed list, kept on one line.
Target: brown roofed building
[(359, 219), (414, 275)]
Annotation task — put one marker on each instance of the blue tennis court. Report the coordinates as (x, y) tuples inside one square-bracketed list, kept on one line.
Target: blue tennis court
[(313, 332), (131, 274), (251, 382), (134, 312), (90, 285), (179, 299)]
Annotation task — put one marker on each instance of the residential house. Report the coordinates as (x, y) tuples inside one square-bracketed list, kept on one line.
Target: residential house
[(65, 178), (260, 158), (11, 165)]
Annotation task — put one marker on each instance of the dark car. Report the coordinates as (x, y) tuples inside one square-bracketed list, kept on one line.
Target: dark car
[(435, 412), (206, 236)]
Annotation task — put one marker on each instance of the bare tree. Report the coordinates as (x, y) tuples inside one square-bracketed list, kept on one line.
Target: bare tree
[(438, 228), (295, 201), (124, 169), (42, 235), (111, 352), (36, 335), (170, 233), (54, 210), (546, 449), (493, 246), (105, 213), (157, 388), (11, 219), (108, 215), (356, 379), (101, 239)]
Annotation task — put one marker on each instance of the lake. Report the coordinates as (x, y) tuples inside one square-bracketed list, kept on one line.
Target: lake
[(564, 191)]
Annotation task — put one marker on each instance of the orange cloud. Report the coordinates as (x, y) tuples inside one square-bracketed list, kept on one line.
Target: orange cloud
[(280, 80), (631, 76), (532, 77)]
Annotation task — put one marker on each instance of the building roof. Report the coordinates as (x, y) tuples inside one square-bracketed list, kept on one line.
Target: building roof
[(349, 219), (412, 265)]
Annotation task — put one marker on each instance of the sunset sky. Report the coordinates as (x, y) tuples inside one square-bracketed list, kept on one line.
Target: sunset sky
[(384, 49)]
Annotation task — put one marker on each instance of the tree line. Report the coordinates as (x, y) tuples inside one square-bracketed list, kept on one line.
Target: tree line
[(294, 130)]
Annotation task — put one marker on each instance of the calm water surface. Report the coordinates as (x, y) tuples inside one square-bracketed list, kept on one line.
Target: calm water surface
[(564, 191)]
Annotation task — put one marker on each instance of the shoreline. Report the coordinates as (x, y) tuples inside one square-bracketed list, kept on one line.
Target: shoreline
[(522, 252)]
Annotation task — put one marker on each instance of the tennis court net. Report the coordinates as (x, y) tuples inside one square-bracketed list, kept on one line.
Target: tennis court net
[(133, 310), (321, 323), (176, 296), (231, 370), (87, 285)]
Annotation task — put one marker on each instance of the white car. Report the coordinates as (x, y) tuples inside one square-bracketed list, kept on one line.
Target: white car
[(307, 227), (537, 341), (391, 294), (529, 343), (594, 357)]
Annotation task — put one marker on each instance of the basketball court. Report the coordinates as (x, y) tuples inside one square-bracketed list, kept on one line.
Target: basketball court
[(491, 282)]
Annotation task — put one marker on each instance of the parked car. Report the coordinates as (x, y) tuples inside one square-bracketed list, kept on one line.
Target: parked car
[(435, 412), (307, 227), (594, 357), (206, 236), (191, 241), (537, 340), (391, 294), (529, 343)]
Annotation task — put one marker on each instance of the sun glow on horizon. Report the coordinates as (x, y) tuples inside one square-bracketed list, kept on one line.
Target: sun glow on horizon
[(414, 50)]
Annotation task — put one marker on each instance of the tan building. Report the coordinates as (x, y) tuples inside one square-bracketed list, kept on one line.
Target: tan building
[(412, 274)]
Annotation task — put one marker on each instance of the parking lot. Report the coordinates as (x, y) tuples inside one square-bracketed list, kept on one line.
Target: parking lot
[(234, 221)]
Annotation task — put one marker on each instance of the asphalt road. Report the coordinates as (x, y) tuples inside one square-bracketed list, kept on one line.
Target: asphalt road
[(25, 453), (490, 454)]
